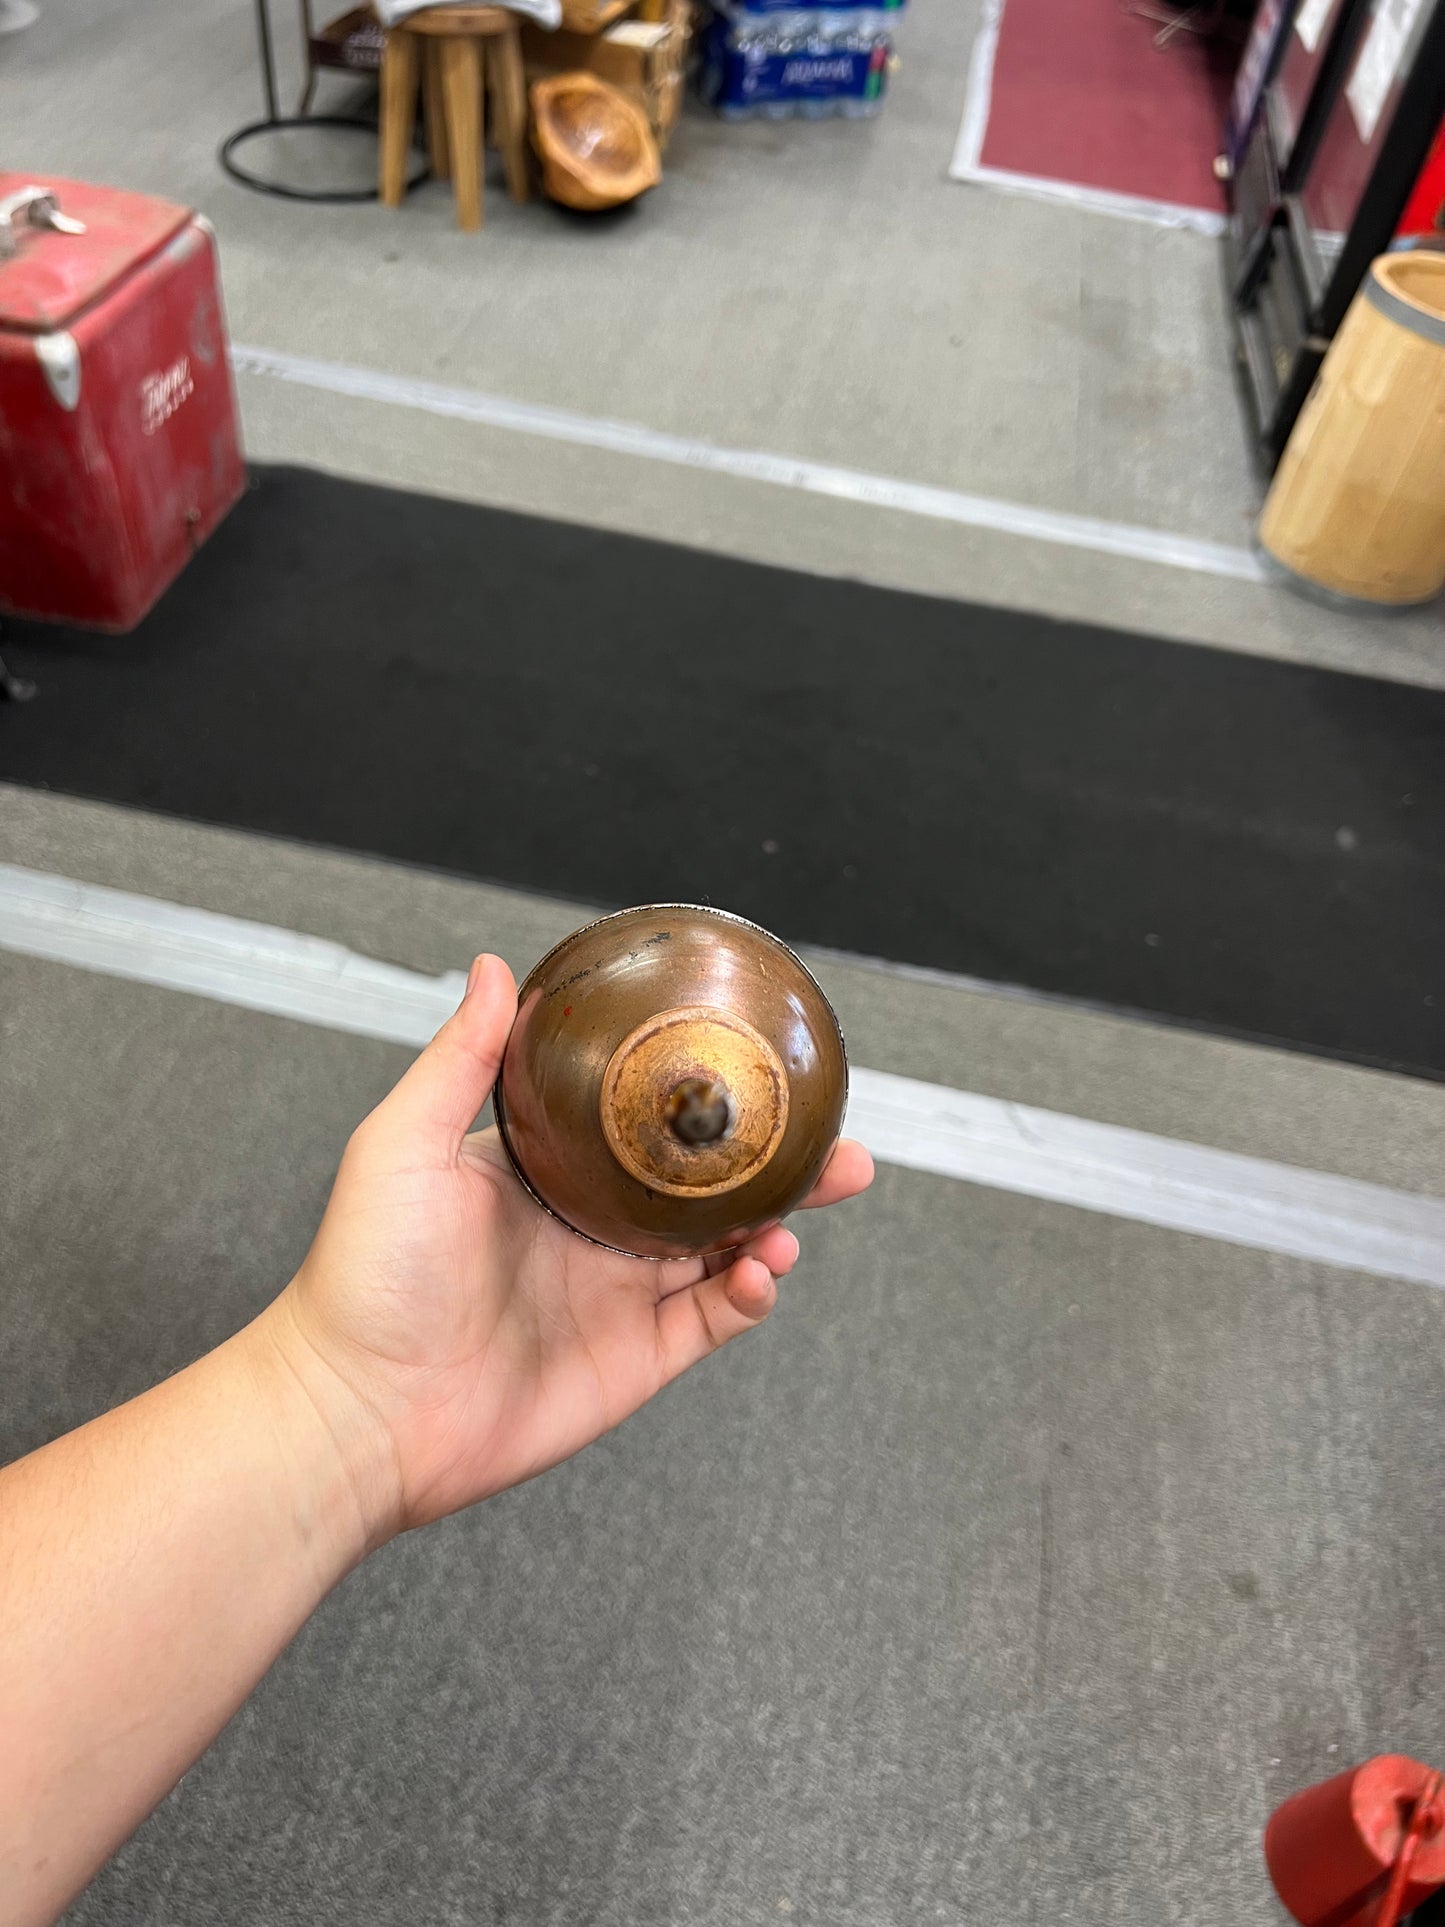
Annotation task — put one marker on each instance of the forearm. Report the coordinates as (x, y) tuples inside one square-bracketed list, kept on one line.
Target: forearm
[(152, 1566)]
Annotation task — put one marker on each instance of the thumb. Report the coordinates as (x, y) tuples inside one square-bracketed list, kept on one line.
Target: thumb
[(439, 1097)]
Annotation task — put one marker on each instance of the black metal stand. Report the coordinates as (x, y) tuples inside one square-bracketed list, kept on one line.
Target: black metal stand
[(275, 121), (1288, 296)]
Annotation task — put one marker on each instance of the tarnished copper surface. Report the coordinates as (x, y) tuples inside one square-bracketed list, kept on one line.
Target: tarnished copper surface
[(674, 1082), (694, 1102)]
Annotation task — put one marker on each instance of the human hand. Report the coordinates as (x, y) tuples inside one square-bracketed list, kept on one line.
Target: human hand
[(455, 1339)]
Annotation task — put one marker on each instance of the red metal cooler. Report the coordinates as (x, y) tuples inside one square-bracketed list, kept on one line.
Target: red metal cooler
[(120, 449)]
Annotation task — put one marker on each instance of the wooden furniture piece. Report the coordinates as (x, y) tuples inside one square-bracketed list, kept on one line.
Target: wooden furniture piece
[(351, 42), (459, 53), (595, 144), (645, 56), (591, 16)]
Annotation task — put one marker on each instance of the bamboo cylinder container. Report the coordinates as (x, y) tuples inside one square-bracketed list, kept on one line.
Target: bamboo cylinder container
[(1358, 503)]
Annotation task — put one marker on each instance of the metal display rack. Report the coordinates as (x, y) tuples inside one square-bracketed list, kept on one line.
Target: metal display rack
[(1322, 185)]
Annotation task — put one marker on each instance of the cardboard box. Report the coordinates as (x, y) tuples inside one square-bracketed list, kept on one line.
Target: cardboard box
[(645, 59)]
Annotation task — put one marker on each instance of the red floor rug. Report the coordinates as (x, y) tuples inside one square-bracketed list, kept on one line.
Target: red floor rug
[(1076, 100)]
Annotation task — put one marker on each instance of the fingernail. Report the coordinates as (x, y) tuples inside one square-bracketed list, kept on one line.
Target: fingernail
[(472, 975), (755, 1305)]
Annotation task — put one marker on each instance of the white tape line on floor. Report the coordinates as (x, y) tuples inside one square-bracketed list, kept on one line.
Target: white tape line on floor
[(756, 465), (1093, 200), (925, 1127)]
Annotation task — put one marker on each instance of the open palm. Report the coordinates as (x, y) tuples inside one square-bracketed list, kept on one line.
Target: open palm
[(486, 1340)]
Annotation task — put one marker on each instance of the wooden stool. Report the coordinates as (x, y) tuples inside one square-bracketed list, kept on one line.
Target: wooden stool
[(443, 47)]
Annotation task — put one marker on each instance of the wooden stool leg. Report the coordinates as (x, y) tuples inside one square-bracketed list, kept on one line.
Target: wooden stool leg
[(462, 86), (434, 112), (398, 112), (509, 99)]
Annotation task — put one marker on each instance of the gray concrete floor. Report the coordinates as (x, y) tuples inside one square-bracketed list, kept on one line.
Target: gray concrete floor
[(1015, 1571), (818, 290), (1177, 1083)]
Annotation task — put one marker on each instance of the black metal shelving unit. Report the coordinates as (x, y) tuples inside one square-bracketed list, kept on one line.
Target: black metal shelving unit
[(1346, 123)]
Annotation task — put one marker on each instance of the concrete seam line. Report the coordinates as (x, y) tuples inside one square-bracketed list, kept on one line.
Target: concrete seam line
[(925, 1127), (1058, 526)]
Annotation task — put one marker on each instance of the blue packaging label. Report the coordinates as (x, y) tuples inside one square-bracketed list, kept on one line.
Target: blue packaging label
[(745, 67)]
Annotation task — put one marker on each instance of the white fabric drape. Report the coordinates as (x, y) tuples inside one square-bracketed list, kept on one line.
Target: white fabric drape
[(547, 13)]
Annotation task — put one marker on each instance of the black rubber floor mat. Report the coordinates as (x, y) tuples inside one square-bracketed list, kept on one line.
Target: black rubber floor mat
[(1240, 844)]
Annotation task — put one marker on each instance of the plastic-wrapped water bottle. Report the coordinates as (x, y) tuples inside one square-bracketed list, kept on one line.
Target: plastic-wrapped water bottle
[(764, 60)]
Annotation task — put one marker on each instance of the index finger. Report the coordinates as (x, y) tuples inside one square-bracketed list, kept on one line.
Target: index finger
[(847, 1172)]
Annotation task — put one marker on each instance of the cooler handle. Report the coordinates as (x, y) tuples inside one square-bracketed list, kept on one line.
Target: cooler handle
[(40, 208)]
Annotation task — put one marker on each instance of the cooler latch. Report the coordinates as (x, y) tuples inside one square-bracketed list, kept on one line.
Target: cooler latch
[(37, 206)]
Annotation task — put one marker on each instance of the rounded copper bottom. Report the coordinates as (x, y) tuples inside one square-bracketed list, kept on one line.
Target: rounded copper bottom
[(694, 1061), (675, 1081)]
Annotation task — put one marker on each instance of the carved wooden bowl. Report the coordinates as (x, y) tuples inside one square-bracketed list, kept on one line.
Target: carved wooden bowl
[(675, 1081), (596, 146)]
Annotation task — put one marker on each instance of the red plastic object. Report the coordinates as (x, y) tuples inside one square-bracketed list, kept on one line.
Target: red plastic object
[(1363, 1849), (120, 448), (1425, 210)]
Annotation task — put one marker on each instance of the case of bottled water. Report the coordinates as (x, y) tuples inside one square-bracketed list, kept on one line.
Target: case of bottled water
[(773, 59)]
